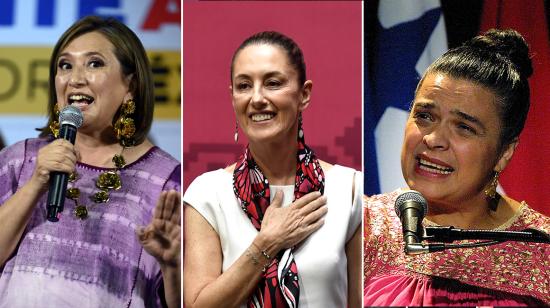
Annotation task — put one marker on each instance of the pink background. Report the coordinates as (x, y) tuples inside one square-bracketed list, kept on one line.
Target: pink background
[(329, 34)]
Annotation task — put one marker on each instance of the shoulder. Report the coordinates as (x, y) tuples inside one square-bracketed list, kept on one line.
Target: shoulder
[(156, 159), (160, 154), (380, 206), (382, 199), (210, 182), (335, 169), (24, 147), (529, 218)]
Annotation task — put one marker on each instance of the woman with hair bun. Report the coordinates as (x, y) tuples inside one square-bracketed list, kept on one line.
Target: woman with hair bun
[(280, 227), (465, 123)]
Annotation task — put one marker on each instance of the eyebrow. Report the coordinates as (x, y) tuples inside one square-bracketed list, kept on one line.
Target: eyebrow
[(87, 54), (469, 118), (267, 75), (425, 105), (460, 114)]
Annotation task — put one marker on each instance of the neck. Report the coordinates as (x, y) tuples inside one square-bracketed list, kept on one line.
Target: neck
[(276, 160), (96, 151), (473, 213)]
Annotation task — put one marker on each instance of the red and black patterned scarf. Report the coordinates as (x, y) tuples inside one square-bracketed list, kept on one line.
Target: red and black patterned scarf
[(279, 285)]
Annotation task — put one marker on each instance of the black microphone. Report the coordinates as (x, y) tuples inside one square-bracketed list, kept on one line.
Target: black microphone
[(70, 119), (411, 207)]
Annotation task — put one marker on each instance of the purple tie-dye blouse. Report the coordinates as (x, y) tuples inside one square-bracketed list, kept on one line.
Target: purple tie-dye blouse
[(97, 262)]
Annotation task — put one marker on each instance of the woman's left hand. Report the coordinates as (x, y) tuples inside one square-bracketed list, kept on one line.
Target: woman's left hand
[(161, 238)]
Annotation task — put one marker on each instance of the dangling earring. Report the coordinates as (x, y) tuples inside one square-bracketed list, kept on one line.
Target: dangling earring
[(300, 129), (54, 125), (493, 197), (124, 125), (236, 137)]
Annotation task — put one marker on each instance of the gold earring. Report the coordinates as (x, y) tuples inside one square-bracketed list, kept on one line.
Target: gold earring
[(491, 192), (54, 125), (124, 125)]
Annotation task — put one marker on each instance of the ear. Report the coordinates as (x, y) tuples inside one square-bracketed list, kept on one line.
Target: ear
[(128, 80), (506, 155), (128, 96), (231, 95), (306, 94)]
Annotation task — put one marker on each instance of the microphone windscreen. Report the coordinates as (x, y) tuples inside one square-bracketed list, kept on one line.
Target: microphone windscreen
[(71, 115), (410, 195)]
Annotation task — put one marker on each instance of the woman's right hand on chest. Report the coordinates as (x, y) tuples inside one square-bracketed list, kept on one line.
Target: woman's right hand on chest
[(284, 227), (59, 155)]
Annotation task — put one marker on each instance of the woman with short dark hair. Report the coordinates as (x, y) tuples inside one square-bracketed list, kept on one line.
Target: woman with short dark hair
[(111, 246)]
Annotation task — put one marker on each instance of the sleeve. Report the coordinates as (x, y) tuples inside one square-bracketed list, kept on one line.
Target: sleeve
[(201, 196), (174, 180), (356, 206), (11, 164)]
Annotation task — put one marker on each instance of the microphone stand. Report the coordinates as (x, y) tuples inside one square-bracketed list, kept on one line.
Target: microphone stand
[(450, 234)]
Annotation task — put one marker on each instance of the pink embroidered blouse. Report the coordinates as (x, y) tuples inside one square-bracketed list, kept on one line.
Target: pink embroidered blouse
[(507, 274)]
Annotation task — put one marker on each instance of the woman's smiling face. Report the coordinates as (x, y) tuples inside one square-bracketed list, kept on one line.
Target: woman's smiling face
[(89, 76), (451, 144), (266, 93)]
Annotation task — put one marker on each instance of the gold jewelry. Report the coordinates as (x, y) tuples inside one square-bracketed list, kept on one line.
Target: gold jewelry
[(491, 190), (124, 126), (54, 125), (106, 181), (493, 197)]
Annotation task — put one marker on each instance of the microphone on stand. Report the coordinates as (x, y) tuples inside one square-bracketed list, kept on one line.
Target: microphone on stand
[(411, 207), (70, 119)]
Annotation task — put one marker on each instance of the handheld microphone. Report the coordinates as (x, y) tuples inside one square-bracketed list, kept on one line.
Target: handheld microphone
[(70, 119), (411, 207)]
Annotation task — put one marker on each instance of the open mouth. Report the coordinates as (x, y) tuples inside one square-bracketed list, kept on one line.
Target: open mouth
[(80, 99), (433, 167), (260, 117)]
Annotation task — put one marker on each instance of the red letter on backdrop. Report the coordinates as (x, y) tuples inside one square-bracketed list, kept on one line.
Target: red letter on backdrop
[(162, 12)]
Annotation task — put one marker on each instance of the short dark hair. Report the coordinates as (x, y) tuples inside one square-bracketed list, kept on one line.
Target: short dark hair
[(133, 61), (498, 60), (293, 51)]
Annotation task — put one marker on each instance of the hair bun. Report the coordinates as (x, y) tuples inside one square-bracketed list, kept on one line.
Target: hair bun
[(507, 43)]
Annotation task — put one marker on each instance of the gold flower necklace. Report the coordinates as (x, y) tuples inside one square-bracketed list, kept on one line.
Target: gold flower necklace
[(106, 181), (124, 129)]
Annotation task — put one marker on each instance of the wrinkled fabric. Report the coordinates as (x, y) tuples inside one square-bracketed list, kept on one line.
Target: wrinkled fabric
[(96, 262)]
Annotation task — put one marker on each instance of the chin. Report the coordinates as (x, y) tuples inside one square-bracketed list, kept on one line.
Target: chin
[(428, 190)]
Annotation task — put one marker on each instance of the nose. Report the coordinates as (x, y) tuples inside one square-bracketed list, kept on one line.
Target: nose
[(258, 99), (77, 78), (437, 138)]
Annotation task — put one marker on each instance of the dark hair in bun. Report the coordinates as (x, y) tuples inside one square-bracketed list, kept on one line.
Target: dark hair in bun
[(293, 51), (498, 60)]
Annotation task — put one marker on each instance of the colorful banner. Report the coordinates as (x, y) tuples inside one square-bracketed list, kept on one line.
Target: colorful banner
[(41, 22), (24, 86)]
